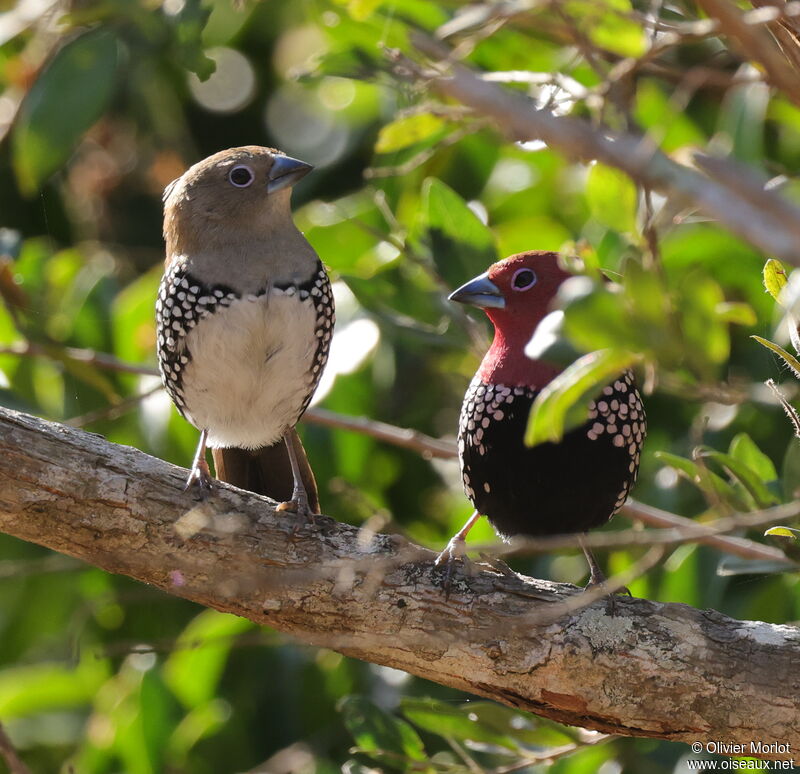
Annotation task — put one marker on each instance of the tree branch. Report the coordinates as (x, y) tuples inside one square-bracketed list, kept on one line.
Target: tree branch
[(646, 669), (747, 209)]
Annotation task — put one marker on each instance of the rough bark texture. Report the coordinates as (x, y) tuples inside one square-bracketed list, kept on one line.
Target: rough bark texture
[(630, 667)]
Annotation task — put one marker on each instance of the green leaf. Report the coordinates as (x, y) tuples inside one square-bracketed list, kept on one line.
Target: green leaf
[(788, 532), (195, 667), (460, 245), (736, 313), (203, 721), (714, 486), (72, 92), (790, 472), (608, 24), (361, 10), (407, 131), (790, 360), (656, 113), (775, 278), (561, 404), (750, 480), (455, 722), (189, 24), (742, 120), (595, 318), (375, 730), (706, 336), (43, 687), (734, 565), (744, 449), (612, 198)]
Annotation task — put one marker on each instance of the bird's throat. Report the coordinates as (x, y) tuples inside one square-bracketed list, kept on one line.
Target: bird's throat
[(506, 362)]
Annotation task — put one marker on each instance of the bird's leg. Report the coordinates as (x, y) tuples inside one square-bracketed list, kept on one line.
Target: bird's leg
[(200, 473), (299, 502), (596, 575), (456, 548)]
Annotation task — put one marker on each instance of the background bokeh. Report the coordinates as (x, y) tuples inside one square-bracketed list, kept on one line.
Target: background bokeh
[(104, 103)]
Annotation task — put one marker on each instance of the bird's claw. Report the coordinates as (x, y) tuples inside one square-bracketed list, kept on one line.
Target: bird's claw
[(455, 549), (200, 477), (499, 565), (298, 505)]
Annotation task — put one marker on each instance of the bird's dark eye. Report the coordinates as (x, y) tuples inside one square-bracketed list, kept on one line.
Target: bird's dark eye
[(523, 279), (241, 176)]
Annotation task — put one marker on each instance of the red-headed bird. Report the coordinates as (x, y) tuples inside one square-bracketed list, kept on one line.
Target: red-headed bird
[(552, 488)]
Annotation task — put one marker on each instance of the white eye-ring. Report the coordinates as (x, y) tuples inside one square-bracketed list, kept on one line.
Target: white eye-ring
[(523, 279), (241, 176)]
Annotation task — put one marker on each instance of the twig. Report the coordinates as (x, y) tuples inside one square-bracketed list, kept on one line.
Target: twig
[(116, 410), (755, 44), (790, 410), (616, 583), (425, 445), (89, 356), (758, 223), (686, 533), (9, 754)]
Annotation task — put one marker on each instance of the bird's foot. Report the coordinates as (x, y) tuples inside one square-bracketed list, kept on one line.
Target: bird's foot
[(499, 565), (200, 477), (299, 505), (597, 579), (455, 549)]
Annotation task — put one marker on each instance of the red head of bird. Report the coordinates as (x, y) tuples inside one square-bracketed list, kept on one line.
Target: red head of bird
[(516, 294)]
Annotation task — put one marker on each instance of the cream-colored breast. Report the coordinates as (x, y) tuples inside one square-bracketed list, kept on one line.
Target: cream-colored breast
[(250, 369)]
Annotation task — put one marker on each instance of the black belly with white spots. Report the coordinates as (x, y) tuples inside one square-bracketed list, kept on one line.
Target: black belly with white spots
[(552, 488)]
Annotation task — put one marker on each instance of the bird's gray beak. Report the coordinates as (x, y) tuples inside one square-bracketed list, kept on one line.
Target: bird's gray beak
[(285, 172), (480, 292)]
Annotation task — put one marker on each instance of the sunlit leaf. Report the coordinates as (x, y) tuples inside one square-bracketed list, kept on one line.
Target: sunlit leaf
[(787, 532), (461, 246), (194, 668), (714, 486), (612, 198), (736, 313), (44, 687), (744, 449), (376, 730), (790, 360), (762, 497), (407, 131), (68, 97), (360, 10), (609, 25), (775, 278), (553, 411), (453, 721)]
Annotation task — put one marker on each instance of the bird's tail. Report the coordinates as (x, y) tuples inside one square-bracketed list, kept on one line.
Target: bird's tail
[(267, 471)]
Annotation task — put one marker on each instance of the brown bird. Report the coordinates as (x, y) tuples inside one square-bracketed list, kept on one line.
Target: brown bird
[(245, 317)]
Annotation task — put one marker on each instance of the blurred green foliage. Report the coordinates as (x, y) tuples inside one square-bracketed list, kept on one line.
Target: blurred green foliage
[(103, 105)]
